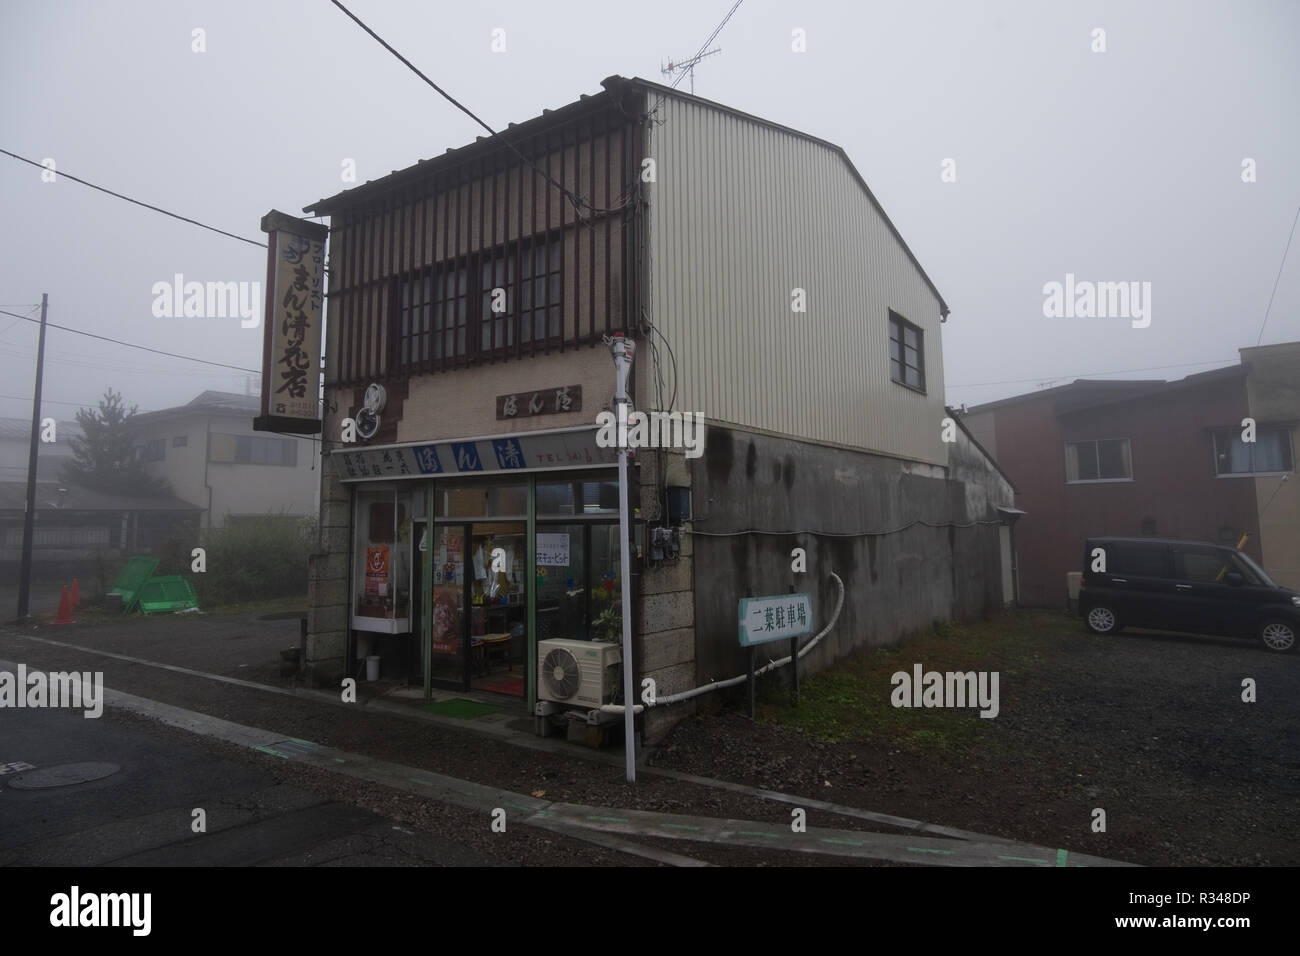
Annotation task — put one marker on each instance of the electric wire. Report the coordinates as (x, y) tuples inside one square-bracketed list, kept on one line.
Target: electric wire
[(575, 200), (1280, 267), (132, 345), (102, 189)]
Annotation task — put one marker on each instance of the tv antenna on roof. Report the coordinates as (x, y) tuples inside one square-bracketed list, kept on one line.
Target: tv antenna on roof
[(686, 67)]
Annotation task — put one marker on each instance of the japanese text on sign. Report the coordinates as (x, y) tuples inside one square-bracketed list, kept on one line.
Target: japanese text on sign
[(775, 618)]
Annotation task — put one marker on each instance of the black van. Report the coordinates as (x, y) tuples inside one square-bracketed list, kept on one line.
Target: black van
[(1184, 586)]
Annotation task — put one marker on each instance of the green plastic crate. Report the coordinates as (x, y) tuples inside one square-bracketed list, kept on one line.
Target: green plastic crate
[(138, 570), (168, 593)]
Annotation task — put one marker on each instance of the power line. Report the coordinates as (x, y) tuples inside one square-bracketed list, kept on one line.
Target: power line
[(193, 222), (132, 345), (48, 401), (1279, 276), (700, 52), (577, 201), (1119, 371)]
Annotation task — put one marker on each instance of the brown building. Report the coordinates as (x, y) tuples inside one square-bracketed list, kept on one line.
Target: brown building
[(1165, 459)]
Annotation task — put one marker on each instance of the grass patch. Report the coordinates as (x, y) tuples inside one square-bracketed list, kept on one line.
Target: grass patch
[(851, 701), (460, 708)]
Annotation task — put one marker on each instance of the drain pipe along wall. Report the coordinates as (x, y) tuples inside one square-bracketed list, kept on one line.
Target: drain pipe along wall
[(623, 351)]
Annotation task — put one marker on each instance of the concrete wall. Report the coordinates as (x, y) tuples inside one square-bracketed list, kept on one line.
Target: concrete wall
[(327, 583), (665, 627), (897, 582), (1273, 387)]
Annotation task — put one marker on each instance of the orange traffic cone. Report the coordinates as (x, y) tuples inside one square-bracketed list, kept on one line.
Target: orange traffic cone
[(65, 608), (76, 595)]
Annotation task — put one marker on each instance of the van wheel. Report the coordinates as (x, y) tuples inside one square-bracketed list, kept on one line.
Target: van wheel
[(1278, 635), (1103, 620)]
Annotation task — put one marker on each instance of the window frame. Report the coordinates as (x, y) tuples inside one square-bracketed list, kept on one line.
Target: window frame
[(1096, 443), (463, 311), (903, 326), (1233, 434)]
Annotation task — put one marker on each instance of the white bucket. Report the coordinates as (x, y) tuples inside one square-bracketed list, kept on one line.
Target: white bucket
[(372, 667)]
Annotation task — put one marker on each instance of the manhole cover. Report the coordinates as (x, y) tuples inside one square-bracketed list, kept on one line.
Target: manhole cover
[(64, 775)]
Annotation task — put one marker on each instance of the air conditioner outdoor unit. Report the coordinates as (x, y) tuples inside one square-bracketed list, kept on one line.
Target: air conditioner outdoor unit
[(582, 673)]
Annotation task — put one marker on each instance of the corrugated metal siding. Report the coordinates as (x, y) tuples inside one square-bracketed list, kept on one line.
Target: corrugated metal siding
[(740, 215)]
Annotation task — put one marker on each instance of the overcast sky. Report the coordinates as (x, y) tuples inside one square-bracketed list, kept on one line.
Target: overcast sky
[(1123, 165)]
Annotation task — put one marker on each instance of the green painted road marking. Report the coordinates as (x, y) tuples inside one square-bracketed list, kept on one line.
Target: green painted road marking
[(339, 760), (842, 842), (607, 819), (921, 849), (273, 752), (1022, 859), (774, 836), (679, 826), (1060, 857)]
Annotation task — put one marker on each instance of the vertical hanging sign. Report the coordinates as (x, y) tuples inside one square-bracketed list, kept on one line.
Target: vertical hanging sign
[(293, 326)]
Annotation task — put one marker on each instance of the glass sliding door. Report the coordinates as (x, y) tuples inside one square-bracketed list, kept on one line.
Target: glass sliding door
[(448, 663)]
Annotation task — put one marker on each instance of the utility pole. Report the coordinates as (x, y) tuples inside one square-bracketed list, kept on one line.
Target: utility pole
[(29, 515)]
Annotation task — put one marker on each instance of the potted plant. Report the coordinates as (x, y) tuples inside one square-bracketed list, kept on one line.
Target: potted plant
[(608, 625)]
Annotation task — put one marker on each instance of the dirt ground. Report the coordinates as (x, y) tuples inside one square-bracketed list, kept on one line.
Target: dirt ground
[(1150, 728)]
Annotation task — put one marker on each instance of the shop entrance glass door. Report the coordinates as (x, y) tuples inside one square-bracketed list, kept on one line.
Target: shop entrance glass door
[(447, 658), (478, 627), (498, 600)]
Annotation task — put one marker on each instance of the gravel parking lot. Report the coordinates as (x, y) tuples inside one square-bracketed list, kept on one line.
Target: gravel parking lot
[(1147, 726)]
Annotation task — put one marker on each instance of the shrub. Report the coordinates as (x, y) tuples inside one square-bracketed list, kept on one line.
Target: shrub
[(255, 560)]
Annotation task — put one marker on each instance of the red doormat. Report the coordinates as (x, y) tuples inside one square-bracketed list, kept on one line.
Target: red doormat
[(514, 686)]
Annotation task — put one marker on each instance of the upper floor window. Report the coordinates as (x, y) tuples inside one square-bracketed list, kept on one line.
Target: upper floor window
[(906, 353), (1103, 460), (1269, 453), (155, 449), (492, 301), (252, 450)]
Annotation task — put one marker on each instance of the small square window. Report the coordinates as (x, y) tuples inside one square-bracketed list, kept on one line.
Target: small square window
[(906, 353)]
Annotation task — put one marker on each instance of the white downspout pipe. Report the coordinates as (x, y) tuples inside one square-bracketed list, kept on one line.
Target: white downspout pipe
[(623, 351)]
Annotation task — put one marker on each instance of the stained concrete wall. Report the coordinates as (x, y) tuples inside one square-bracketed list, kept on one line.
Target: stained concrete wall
[(665, 632), (1273, 389), (327, 582), (918, 566)]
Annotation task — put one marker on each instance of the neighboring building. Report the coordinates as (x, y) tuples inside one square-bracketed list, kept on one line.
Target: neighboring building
[(785, 308), (15, 446), (1164, 459), (73, 524), (209, 453)]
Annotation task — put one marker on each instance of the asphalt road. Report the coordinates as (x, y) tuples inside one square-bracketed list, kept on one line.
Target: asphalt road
[(143, 814)]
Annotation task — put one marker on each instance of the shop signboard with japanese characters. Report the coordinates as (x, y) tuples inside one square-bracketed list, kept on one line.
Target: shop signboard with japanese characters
[(295, 296), (775, 618), (546, 401), (483, 456)]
